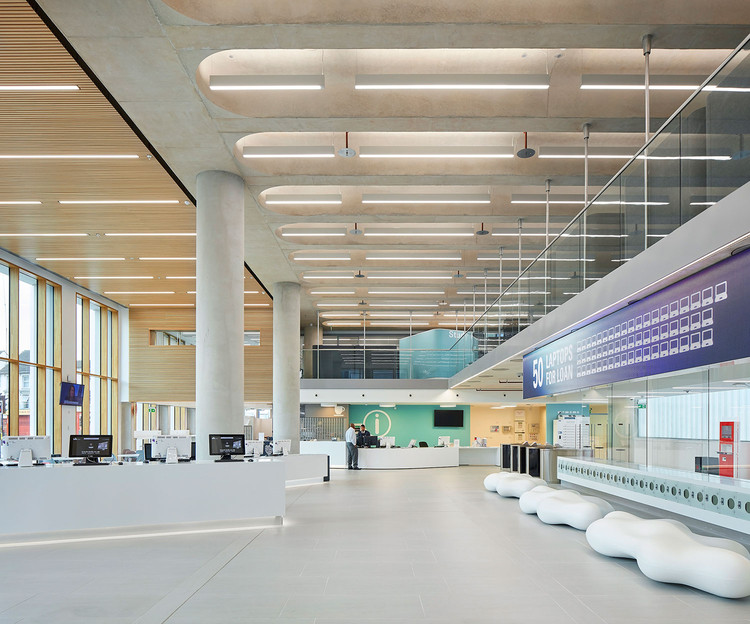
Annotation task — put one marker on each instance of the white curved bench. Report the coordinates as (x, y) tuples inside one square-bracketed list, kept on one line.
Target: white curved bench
[(512, 484), (564, 507), (667, 551), (490, 481)]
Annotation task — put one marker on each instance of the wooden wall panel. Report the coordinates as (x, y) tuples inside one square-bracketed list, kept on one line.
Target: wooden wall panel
[(167, 374)]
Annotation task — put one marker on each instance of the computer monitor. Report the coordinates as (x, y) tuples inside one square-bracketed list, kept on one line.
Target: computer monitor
[(71, 394), (371, 440), (253, 448), (388, 441), (90, 447), (225, 445), (444, 441), (11, 447), (282, 447), (412, 443), (160, 444)]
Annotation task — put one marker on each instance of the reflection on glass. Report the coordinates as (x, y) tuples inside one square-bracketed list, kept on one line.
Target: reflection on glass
[(27, 400), (79, 334), (95, 338), (5, 397), (49, 404), (27, 315), (94, 405), (50, 326)]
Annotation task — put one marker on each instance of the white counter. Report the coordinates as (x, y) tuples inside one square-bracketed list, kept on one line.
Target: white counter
[(59, 498), (393, 458), (303, 469), (335, 450), (479, 456)]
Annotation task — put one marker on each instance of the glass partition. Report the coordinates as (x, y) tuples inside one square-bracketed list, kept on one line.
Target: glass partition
[(699, 156)]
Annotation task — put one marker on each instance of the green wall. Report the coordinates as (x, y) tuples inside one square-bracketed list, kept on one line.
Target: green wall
[(409, 421), (555, 409)]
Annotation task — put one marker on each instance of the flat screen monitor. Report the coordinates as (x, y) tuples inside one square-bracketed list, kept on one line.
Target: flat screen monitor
[(226, 444), (11, 447), (71, 393), (371, 440), (449, 418), (90, 447), (444, 440), (282, 447), (160, 444)]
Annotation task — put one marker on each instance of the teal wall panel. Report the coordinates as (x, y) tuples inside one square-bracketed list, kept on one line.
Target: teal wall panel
[(407, 422)]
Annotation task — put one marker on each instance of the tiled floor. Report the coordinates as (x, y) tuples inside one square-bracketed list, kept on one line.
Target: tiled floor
[(390, 547)]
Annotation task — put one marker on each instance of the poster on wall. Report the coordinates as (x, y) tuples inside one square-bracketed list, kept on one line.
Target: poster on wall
[(697, 321)]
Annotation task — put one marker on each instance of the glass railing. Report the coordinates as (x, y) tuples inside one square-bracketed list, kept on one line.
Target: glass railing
[(700, 155), (384, 362)]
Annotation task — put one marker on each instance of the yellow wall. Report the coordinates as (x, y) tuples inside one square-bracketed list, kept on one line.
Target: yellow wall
[(483, 418)]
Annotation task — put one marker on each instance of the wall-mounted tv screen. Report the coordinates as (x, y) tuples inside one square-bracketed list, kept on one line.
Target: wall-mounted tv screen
[(449, 418), (71, 393)]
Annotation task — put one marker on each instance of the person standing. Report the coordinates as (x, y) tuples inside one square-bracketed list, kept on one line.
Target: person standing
[(351, 448), (362, 436)]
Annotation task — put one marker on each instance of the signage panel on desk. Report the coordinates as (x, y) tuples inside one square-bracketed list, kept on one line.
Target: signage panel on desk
[(700, 320)]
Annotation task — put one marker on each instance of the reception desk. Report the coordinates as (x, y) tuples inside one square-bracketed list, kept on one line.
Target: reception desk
[(385, 458), (399, 458), (61, 498)]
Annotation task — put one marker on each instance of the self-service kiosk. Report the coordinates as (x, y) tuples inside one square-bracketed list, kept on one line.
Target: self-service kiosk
[(729, 436)]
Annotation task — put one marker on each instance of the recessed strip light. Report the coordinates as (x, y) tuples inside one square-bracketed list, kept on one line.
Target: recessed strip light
[(139, 292), (113, 277), (337, 305), (313, 232), (331, 292), (77, 259), (116, 202), (343, 324), (340, 257), (425, 198), (341, 315), (451, 81), (167, 259), (442, 151), (397, 324), (256, 305), (288, 151), (67, 156), (516, 198), (41, 234), (426, 258), (635, 82), (38, 87), (266, 83), (405, 292), (149, 234), (397, 315), (403, 305), (20, 203), (327, 276), (292, 200), (161, 305), (386, 276), (465, 232), (727, 89), (250, 292), (593, 152)]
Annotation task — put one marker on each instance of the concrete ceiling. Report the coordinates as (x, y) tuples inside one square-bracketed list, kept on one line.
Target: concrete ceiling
[(156, 59)]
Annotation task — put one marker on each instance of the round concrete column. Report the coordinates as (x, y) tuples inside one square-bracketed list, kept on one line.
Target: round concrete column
[(219, 358), (286, 363)]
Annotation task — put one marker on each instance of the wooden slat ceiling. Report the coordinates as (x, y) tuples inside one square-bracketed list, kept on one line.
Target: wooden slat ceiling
[(84, 122)]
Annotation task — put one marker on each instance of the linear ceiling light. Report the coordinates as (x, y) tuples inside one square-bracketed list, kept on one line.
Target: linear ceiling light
[(442, 151), (425, 198), (398, 315), (256, 305), (288, 151), (161, 305), (111, 277), (311, 198), (266, 83), (411, 276), (313, 232), (165, 258), (337, 305), (327, 276), (343, 324), (149, 234), (58, 259), (66, 156), (405, 292), (251, 292), (139, 292), (39, 87), (42, 234), (517, 198), (451, 81), (635, 82), (331, 292), (423, 257), (20, 203), (398, 323), (118, 201), (593, 152), (340, 257), (340, 315), (403, 305), (419, 232)]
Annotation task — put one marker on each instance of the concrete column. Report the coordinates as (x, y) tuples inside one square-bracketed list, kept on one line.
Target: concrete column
[(219, 360), (286, 363), (313, 336)]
